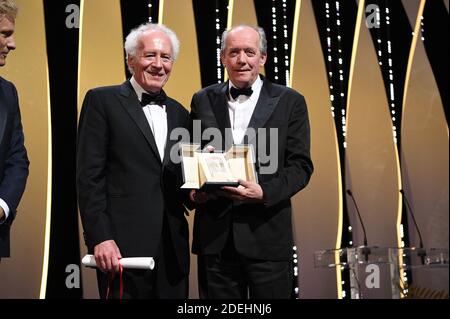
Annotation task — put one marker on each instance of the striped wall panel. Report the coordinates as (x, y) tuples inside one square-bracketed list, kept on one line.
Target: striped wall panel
[(317, 223), (425, 156), (372, 159)]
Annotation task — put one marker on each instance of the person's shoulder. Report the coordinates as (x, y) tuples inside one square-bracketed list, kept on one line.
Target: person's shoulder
[(177, 105), (9, 92), (105, 89), (283, 90), (102, 96), (5, 83), (209, 89)]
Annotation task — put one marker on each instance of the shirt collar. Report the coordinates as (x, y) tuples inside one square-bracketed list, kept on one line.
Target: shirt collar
[(139, 90), (256, 87)]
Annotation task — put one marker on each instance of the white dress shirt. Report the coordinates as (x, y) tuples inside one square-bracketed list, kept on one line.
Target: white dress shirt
[(5, 209), (241, 110), (157, 119)]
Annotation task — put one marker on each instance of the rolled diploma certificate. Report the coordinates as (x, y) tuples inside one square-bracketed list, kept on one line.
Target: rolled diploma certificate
[(130, 262)]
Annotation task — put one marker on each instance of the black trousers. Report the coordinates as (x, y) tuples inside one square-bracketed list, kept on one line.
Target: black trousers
[(165, 281), (229, 275)]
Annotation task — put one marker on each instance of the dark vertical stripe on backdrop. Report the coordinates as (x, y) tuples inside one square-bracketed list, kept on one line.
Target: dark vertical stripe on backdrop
[(208, 29), (62, 51), (399, 33), (277, 20), (135, 13), (435, 25)]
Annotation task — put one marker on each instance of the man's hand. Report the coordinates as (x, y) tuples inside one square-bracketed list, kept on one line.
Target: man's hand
[(247, 192), (107, 256), (200, 197)]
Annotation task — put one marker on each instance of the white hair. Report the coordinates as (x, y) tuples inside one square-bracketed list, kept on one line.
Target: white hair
[(131, 42), (261, 33)]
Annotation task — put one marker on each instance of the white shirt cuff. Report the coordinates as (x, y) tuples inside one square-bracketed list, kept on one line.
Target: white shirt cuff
[(5, 209)]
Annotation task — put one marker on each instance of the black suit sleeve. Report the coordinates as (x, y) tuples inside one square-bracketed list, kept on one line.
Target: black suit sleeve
[(15, 173), (296, 170), (184, 193), (92, 146)]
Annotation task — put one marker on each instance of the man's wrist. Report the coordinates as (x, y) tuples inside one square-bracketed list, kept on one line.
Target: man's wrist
[(4, 211), (2, 216)]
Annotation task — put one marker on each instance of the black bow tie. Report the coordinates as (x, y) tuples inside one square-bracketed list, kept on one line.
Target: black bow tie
[(234, 92), (153, 98)]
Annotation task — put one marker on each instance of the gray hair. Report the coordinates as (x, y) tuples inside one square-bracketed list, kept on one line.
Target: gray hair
[(262, 37), (8, 9), (131, 42)]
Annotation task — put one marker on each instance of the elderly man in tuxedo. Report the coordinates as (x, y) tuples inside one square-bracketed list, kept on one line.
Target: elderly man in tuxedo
[(13, 155), (243, 236), (128, 185)]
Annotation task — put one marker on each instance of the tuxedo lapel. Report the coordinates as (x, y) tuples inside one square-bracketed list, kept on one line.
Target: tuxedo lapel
[(219, 105), (131, 104), (171, 124), (264, 108)]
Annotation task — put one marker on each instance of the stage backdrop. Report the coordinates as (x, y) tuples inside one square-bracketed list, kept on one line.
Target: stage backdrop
[(377, 98)]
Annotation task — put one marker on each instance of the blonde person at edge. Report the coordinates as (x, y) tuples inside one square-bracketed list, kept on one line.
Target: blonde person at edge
[(13, 155)]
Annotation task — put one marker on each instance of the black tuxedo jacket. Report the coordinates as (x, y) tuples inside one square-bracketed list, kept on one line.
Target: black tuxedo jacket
[(260, 231), (123, 188), (13, 158)]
